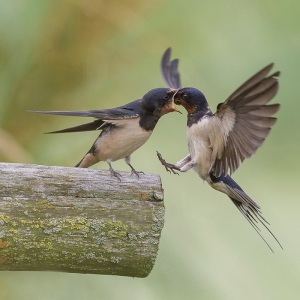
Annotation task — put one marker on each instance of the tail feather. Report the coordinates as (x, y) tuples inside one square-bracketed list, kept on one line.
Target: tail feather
[(248, 208), (254, 216)]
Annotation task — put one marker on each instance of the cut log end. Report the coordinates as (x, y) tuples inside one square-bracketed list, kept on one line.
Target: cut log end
[(79, 220)]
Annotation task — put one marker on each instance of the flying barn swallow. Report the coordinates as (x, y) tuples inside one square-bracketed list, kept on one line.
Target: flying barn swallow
[(218, 142), (124, 129)]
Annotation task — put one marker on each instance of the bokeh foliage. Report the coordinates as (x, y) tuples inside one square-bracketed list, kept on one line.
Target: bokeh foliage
[(87, 54)]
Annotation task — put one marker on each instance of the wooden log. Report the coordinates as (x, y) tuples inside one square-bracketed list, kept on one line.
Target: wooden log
[(79, 220)]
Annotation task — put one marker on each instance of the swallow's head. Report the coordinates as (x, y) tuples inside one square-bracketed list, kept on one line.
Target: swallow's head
[(191, 99), (159, 102)]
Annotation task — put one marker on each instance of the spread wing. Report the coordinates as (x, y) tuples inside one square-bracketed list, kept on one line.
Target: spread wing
[(243, 121), (169, 70), (127, 111)]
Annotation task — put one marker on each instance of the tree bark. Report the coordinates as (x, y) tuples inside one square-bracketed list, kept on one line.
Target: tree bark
[(79, 220)]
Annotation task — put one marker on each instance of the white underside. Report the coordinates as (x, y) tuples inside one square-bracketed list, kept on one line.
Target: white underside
[(199, 147), (119, 142)]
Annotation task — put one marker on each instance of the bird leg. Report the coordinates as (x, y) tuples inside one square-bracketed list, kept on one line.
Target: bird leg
[(113, 172), (169, 167), (133, 170)]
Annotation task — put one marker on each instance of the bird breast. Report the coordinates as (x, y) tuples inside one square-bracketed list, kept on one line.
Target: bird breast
[(121, 139), (199, 146)]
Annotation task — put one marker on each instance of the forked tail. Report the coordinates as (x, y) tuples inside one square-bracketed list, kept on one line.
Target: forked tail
[(248, 208)]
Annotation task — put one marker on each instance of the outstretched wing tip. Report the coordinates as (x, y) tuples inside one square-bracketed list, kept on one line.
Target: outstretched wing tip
[(169, 49), (169, 69), (249, 118), (37, 111)]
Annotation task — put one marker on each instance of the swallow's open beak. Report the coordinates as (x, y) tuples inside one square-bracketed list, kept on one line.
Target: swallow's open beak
[(170, 105), (175, 108)]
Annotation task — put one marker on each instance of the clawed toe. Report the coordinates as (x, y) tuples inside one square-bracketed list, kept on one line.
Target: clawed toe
[(116, 174), (169, 167), (136, 173)]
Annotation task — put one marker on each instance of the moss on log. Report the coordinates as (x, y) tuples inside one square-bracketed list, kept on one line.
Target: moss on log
[(79, 220)]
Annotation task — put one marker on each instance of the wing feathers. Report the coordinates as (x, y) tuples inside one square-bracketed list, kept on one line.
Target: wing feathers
[(108, 114), (169, 70), (129, 110), (251, 118), (252, 81), (259, 97), (263, 111), (83, 127)]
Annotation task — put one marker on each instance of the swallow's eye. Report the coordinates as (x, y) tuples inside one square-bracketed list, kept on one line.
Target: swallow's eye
[(167, 97), (185, 96)]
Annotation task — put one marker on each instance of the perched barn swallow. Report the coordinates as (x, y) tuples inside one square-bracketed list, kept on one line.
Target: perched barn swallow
[(124, 129), (218, 142)]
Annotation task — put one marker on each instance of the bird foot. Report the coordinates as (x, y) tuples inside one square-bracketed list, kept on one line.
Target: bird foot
[(169, 167), (136, 173), (115, 174)]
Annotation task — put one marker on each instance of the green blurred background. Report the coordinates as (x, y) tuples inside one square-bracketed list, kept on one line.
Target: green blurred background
[(88, 54)]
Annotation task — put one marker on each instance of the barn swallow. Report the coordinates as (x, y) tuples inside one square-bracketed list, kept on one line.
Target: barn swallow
[(124, 129), (218, 142)]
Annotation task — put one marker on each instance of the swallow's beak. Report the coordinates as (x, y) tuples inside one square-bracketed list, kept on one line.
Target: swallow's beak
[(170, 105), (176, 98), (175, 108)]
